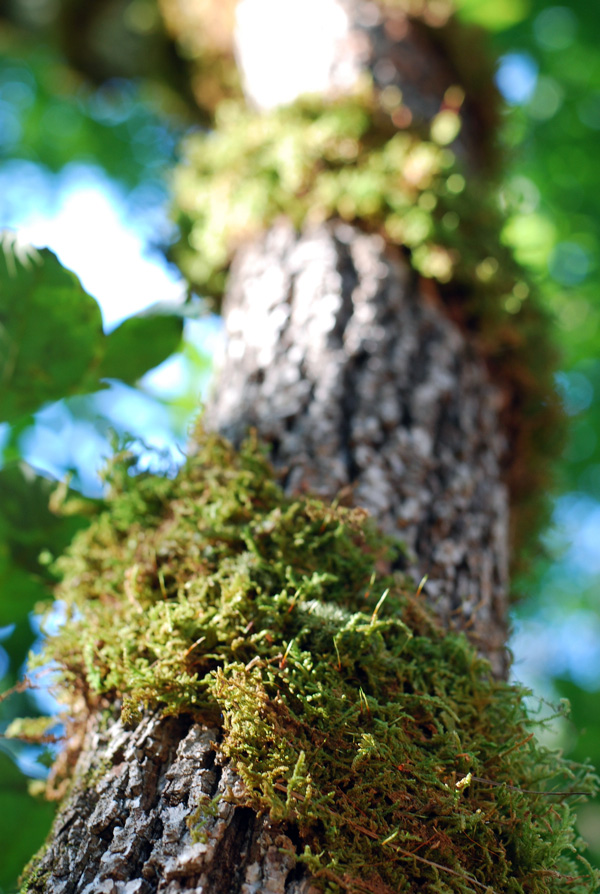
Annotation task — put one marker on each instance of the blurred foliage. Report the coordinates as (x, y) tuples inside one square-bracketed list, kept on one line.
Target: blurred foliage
[(69, 353), (552, 137), (493, 15), (19, 810), (584, 742), (549, 70), (50, 116), (176, 50), (149, 81), (28, 530), (42, 363)]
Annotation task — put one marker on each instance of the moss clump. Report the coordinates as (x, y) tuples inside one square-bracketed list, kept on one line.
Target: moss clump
[(405, 765), (311, 161)]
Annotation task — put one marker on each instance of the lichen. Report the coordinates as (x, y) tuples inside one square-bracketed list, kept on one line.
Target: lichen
[(405, 765)]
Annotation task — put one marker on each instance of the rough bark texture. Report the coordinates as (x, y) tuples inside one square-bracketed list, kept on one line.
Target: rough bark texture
[(343, 361), (124, 828)]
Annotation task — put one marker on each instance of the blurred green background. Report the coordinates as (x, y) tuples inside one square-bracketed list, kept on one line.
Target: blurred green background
[(91, 114)]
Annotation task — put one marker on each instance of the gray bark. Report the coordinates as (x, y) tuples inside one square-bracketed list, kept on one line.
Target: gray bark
[(125, 826)]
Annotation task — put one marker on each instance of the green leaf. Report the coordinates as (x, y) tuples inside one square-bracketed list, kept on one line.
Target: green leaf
[(28, 528), (27, 524), (51, 339), (18, 810), (140, 344), (495, 15), (50, 329)]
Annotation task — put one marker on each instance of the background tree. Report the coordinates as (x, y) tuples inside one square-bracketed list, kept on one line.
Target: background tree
[(426, 256)]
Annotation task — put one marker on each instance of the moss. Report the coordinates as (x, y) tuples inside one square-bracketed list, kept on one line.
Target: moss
[(197, 821), (33, 877), (310, 161), (346, 710), (31, 729)]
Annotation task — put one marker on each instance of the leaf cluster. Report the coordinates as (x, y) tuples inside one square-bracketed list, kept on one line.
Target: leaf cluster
[(403, 762), (69, 354)]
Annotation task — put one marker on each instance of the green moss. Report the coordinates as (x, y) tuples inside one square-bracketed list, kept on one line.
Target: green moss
[(309, 161), (405, 765), (34, 729), (197, 820), (32, 877)]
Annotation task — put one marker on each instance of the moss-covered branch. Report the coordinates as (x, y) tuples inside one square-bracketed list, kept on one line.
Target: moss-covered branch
[(404, 763)]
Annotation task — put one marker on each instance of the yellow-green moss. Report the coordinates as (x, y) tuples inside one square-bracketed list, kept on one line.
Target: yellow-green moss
[(310, 161), (405, 765), (32, 876)]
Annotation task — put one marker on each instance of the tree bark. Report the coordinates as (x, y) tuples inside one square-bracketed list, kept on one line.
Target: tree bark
[(124, 828), (345, 363)]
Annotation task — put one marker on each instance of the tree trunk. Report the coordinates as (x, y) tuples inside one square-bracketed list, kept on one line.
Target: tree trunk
[(345, 362)]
